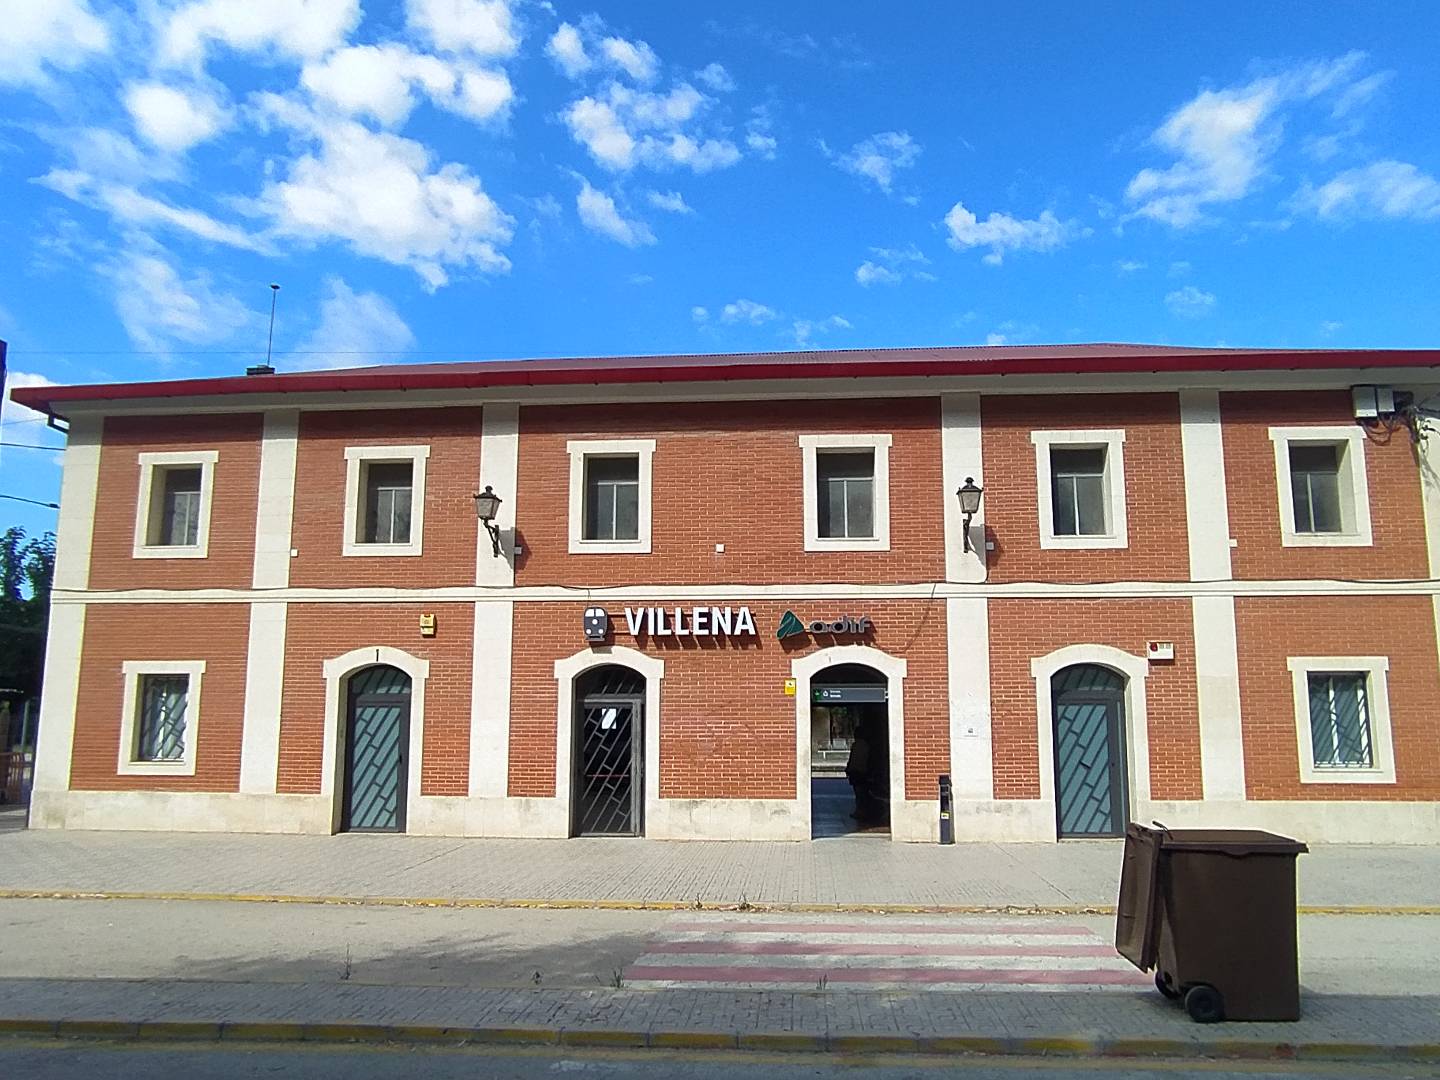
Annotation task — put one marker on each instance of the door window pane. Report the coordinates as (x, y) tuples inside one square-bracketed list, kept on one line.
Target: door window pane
[(1077, 481), (161, 734), (388, 493), (1315, 487), (846, 495), (612, 498), (180, 507), (1340, 721)]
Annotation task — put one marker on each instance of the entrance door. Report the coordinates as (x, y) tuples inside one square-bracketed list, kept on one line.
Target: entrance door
[(609, 788), (1090, 795), (377, 741)]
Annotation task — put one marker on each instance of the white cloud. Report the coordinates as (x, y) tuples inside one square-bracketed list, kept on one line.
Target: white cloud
[(879, 157), (700, 314), (1224, 141), (623, 128), (1002, 233), (354, 329), (995, 339), (1012, 332), (716, 78), (1190, 302), (1179, 268), (670, 201), (158, 306), (380, 81), (1130, 266), (171, 118), (748, 311), (567, 49), (635, 58), (805, 329), (763, 145), (758, 133), (869, 273), (483, 27), (130, 207), (54, 34), (382, 195), (1384, 189), (1329, 327), (599, 213), (10, 412), (296, 28), (639, 279)]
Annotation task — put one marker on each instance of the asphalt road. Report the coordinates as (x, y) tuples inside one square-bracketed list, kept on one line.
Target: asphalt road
[(24, 1060), (475, 947)]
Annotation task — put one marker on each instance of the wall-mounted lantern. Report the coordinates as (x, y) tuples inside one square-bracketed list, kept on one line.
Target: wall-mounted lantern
[(487, 505), (969, 506)]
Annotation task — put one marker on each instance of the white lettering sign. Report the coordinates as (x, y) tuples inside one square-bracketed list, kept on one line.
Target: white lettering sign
[(690, 622)]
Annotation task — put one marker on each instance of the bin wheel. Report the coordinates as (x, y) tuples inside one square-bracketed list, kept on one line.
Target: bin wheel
[(1204, 1004), (1166, 987)]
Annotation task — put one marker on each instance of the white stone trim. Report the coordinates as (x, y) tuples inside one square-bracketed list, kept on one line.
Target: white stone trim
[(580, 449), (336, 671), (1428, 458), (355, 457), (972, 762), (128, 764), (75, 528), (499, 468), (149, 464), (1377, 702), (1217, 689), (491, 657), (570, 668), (264, 695), (1356, 529), (961, 457), (275, 501), (806, 667), (1207, 509), (55, 738), (810, 445), (1112, 441), (1135, 669)]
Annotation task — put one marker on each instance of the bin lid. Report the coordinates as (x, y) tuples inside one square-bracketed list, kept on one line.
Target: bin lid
[(1232, 842)]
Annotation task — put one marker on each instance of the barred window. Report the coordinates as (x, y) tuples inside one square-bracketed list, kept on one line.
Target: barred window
[(1340, 735)]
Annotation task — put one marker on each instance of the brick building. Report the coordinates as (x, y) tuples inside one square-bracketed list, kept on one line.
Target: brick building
[(1200, 587)]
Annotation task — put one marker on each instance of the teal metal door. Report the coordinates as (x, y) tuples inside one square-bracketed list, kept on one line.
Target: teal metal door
[(377, 741), (1090, 795)]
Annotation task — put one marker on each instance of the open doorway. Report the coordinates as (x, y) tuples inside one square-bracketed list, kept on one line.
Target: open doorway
[(849, 752)]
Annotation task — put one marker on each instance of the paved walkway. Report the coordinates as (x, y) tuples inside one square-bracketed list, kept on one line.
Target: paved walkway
[(855, 871)]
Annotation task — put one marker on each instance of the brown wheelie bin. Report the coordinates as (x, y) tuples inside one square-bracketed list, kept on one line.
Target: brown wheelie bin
[(1212, 911)]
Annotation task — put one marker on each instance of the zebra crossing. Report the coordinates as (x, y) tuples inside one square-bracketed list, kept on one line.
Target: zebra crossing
[(858, 952)]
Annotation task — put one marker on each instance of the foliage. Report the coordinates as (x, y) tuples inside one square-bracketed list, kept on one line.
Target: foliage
[(27, 569)]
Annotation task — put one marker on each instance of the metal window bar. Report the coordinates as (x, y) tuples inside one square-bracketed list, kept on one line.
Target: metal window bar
[(162, 718), (1340, 721), (847, 495)]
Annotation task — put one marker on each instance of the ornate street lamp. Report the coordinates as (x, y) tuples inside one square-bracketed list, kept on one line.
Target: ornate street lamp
[(487, 505), (969, 505)]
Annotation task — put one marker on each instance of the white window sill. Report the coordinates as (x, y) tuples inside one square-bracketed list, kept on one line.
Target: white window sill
[(156, 768), (847, 543), (1083, 543), (610, 547), (171, 551), (1327, 540), (363, 550), (1341, 775)]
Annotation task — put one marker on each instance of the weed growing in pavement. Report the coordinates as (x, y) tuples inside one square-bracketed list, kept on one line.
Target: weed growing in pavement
[(536, 978), (617, 978), (346, 970)]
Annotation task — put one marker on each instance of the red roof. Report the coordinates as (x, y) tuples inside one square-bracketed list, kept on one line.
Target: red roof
[(976, 360)]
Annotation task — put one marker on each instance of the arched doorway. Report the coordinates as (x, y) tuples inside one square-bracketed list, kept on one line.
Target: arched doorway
[(608, 758), (1091, 796), (377, 744), (849, 751)]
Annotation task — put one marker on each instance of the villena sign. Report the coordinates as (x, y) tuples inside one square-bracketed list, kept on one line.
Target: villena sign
[(674, 622)]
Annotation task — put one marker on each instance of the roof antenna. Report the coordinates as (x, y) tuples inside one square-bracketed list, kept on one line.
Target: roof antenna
[(267, 368)]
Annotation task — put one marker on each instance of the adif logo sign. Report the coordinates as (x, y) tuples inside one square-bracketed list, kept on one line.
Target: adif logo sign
[(848, 625)]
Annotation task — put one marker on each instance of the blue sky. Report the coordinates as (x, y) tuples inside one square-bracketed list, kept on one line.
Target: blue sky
[(471, 179)]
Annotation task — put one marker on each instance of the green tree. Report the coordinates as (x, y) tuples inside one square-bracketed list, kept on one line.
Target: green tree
[(27, 569)]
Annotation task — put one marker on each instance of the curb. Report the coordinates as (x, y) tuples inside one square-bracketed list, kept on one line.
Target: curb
[(769, 1042), (759, 907)]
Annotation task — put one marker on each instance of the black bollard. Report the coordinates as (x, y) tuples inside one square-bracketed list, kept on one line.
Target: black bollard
[(947, 820)]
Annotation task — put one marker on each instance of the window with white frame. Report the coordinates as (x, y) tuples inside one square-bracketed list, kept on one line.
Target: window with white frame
[(1323, 488), (846, 481), (384, 499), (1080, 493), (1342, 717), (172, 517), (610, 493), (160, 724)]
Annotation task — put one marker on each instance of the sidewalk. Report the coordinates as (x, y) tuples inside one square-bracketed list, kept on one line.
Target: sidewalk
[(850, 872), (1081, 1025)]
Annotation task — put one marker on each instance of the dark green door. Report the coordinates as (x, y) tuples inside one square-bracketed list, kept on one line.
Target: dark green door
[(1090, 796), (377, 742)]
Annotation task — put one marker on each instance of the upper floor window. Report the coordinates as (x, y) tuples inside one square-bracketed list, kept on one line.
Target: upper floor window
[(160, 723), (172, 519), (1324, 493), (1081, 488), (610, 495), (1342, 719), (384, 499), (846, 491)]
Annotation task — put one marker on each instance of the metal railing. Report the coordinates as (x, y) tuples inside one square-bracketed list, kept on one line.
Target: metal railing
[(16, 767)]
